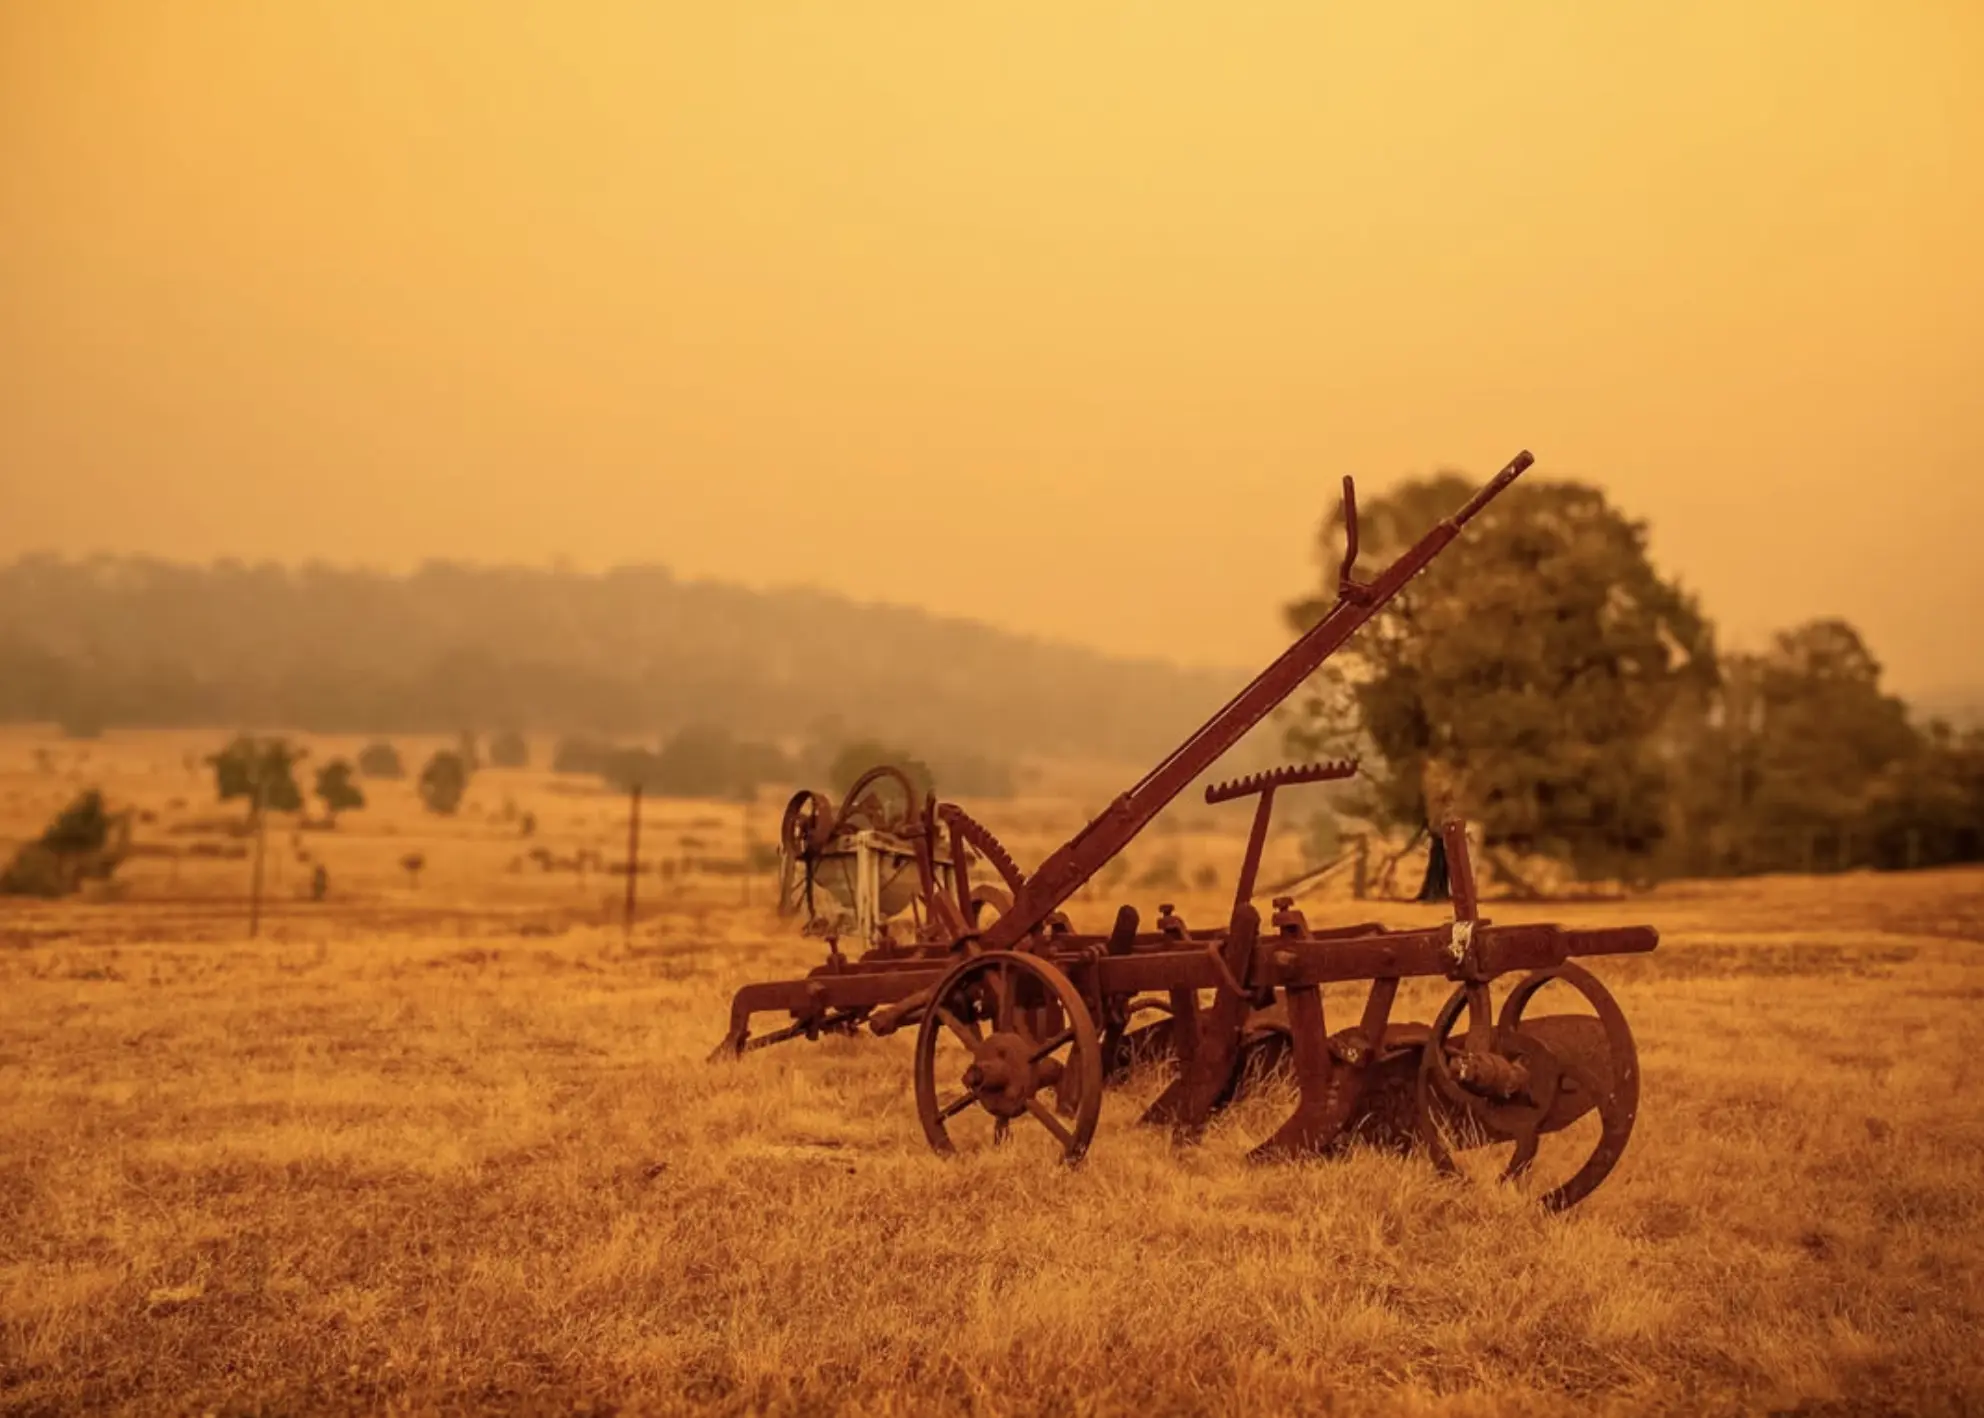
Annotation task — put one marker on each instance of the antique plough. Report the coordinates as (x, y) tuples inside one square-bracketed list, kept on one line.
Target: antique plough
[(1020, 1017)]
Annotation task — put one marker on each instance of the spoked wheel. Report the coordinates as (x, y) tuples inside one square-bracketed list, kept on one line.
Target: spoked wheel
[(1572, 1077), (1004, 1034), (874, 809), (802, 832), (988, 904), (807, 824)]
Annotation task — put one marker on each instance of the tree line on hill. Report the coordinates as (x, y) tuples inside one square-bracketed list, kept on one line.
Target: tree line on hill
[(114, 642), (1544, 681)]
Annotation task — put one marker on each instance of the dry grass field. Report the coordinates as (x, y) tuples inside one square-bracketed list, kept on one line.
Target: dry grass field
[(453, 1147)]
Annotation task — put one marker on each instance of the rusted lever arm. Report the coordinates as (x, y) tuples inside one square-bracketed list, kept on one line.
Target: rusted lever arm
[(1348, 588)]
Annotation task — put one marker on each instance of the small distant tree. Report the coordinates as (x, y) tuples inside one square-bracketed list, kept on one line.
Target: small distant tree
[(508, 750), (470, 753), (411, 864), (336, 790), (83, 841), (82, 723), (707, 761), (625, 769), (443, 781), (972, 775), (757, 763), (699, 761), (381, 760), (263, 771), (1162, 874), (581, 755), (83, 826), (857, 758)]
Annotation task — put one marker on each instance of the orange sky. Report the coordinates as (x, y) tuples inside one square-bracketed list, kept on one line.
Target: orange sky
[(1067, 316)]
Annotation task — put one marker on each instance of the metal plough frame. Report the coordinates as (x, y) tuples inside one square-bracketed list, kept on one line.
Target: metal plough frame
[(1037, 1017)]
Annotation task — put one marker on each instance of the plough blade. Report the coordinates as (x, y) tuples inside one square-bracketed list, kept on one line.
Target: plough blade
[(1208, 1076)]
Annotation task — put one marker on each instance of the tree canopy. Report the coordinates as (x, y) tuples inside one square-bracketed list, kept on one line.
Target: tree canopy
[(381, 760), (1545, 681), (443, 782), (261, 770), (336, 788), (1523, 680), (83, 841)]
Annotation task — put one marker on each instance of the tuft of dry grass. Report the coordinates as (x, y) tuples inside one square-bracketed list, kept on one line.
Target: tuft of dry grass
[(472, 1162)]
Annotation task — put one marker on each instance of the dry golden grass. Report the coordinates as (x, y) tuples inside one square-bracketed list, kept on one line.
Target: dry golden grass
[(456, 1149)]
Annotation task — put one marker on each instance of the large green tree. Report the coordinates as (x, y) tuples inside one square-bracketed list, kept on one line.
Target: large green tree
[(1528, 680)]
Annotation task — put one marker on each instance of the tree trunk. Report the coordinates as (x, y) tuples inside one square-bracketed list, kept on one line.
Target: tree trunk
[(1436, 886)]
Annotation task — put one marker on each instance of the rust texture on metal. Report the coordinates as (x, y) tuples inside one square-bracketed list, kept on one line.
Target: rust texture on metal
[(1021, 1020)]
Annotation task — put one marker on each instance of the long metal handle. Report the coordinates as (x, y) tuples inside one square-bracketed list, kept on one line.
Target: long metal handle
[(1063, 872)]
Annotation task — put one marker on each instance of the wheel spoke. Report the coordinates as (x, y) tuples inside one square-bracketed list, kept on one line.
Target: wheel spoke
[(968, 1036), (1008, 989), (955, 1106), (1044, 1115), (1065, 1037)]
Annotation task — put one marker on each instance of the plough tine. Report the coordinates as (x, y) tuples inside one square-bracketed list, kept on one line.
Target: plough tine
[(1205, 1079), (1320, 1113), (1116, 1026), (1332, 1074)]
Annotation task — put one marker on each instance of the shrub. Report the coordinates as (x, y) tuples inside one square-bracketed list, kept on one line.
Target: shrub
[(508, 750), (581, 755), (381, 760), (83, 841), (443, 781), (857, 758), (36, 871), (336, 789), (260, 770), (1163, 874)]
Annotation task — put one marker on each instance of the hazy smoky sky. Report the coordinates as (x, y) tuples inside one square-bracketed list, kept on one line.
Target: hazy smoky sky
[(1064, 316)]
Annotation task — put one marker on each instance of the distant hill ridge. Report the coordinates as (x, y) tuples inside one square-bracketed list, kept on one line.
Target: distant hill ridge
[(634, 651)]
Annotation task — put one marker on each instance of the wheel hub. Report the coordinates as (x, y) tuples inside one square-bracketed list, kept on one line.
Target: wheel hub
[(1004, 1077)]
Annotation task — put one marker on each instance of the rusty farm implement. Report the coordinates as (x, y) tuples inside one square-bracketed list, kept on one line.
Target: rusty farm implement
[(1021, 1020)]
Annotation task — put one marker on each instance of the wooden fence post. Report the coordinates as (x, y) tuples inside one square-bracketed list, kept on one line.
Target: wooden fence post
[(633, 856), (261, 837)]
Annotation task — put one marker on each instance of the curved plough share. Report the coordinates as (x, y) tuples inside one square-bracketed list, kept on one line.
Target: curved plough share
[(1021, 1021)]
